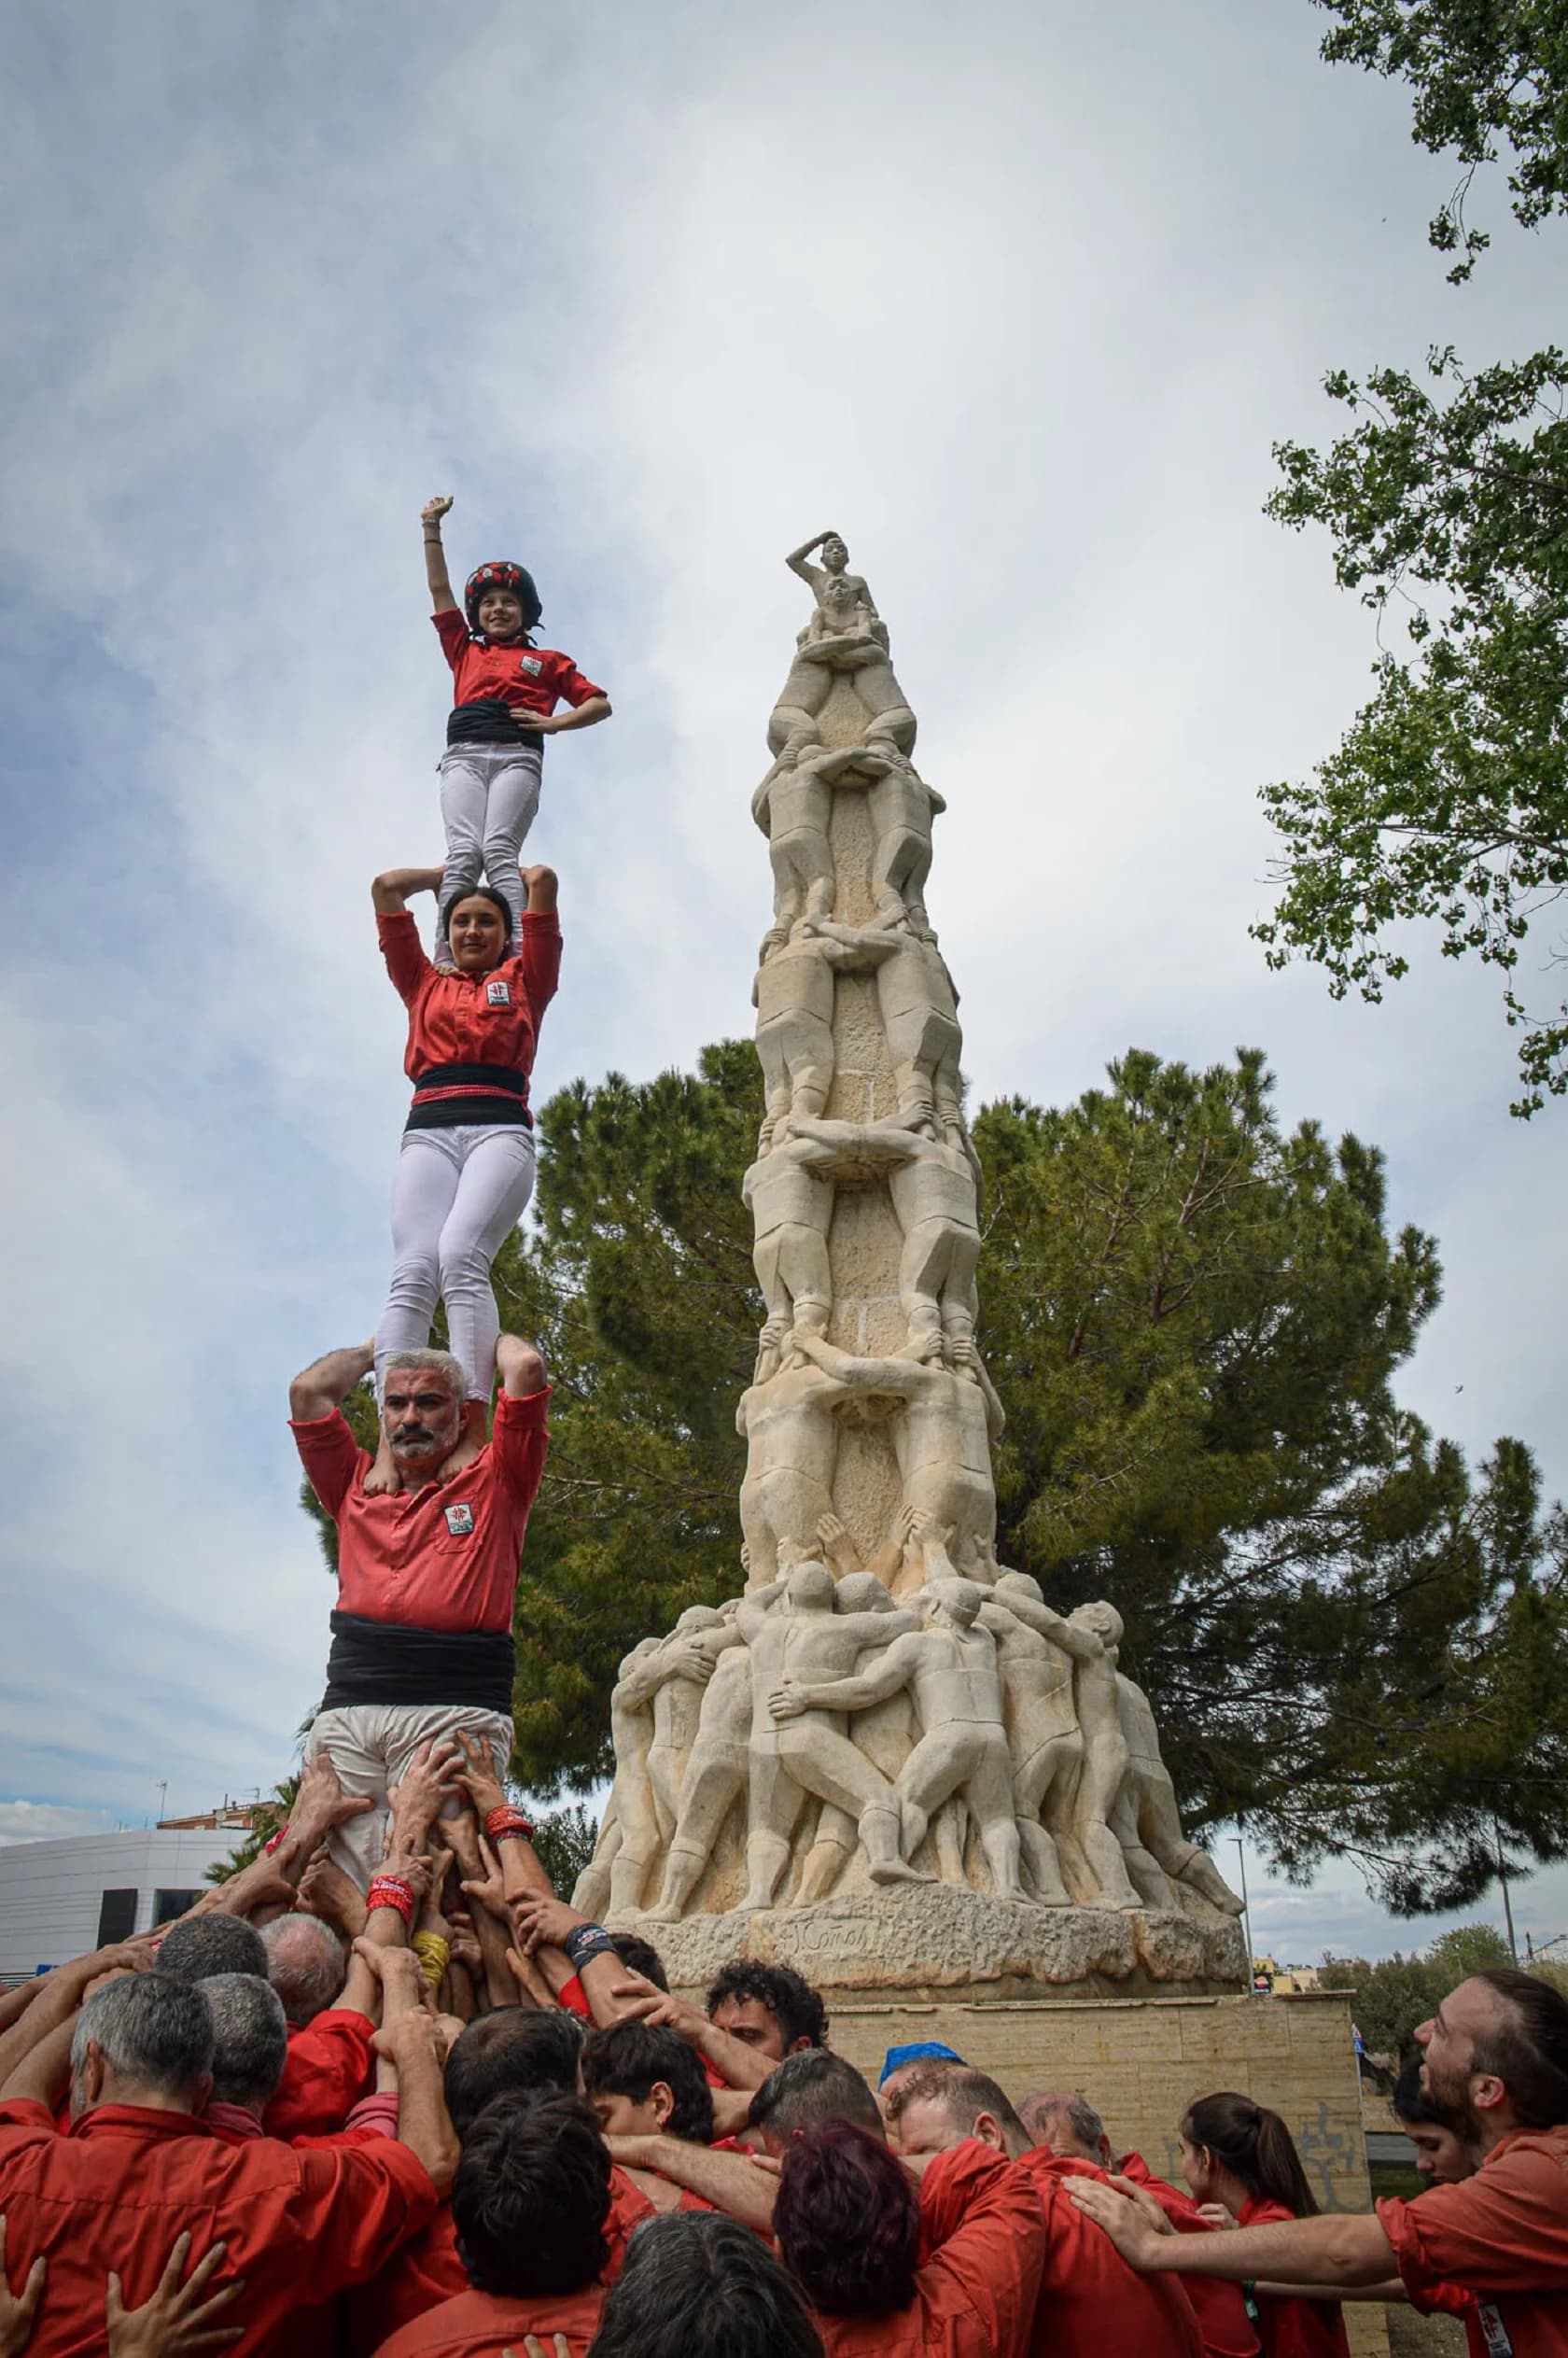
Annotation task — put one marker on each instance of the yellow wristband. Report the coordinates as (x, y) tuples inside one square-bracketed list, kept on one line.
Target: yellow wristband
[(434, 1954)]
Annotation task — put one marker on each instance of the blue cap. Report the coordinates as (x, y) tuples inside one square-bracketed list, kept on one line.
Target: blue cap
[(918, 2051)]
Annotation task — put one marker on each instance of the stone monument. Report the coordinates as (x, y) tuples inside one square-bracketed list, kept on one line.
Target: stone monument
[(889, 1761)]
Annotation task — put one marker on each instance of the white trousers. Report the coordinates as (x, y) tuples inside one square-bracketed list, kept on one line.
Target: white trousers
[(457, 1196), (489, 796), (371, 1745)]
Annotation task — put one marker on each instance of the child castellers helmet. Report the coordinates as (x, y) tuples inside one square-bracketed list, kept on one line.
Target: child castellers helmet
[(501, 575)]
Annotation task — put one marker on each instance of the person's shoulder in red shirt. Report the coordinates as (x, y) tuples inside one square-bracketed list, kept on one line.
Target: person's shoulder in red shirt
[(1221, 2308), (482, 2324), (328, 2066), (1086, 2280)]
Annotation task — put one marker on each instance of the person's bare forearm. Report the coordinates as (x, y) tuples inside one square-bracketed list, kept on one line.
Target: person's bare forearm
[(15, 2003), (44, 2074), (438, 580), (1332, 2250), (727, 2180), (390, 890), (577, 716), (328, 1380), (59, 1995), (424, 2125), (744, 2067)]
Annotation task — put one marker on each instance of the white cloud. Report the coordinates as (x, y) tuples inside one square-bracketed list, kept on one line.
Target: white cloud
[(45, 1821)]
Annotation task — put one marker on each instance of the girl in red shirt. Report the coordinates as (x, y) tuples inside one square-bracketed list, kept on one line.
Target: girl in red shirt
[(467, 1167), (505, 691), (1240, 2163)]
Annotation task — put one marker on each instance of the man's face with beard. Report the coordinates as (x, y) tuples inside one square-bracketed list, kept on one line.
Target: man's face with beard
[(421, 1419), (1448, 2045)]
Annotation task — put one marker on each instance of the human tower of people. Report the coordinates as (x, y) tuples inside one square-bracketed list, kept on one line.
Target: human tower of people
[(385, 2090)]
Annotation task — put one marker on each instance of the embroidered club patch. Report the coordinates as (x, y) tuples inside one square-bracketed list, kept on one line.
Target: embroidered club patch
[(459, 1521), (498, 993)]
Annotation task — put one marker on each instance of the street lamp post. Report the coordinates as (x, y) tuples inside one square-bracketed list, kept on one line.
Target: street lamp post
[(1246, 1913)]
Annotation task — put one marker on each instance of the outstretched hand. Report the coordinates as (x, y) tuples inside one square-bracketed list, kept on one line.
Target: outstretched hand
[(1129, 2230), (433, 510)]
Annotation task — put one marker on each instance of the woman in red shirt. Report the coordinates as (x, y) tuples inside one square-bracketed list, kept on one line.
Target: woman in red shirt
[(1240, 2163), (504, 694), (467, 1167)]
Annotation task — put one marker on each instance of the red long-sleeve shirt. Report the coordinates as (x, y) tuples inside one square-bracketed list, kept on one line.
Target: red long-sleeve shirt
[(1292, 2328), (1090, 2300), (1221, 2308), (483, 2324), (328, 2065), (1503, 2235), (975, 2296), (124, 2182), (487, 1019)]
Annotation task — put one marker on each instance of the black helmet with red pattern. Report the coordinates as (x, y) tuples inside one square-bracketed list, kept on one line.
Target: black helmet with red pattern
[(500, 575)]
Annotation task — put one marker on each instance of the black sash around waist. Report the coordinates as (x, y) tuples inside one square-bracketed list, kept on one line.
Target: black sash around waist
[(490, 1093), (384, 1661), (488, 721)]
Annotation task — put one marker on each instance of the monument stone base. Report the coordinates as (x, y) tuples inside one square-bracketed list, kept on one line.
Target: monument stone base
[(920, 1942), (1141, 2061)]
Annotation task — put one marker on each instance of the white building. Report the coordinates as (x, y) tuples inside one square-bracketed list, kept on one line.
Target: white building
[(59, 1899)]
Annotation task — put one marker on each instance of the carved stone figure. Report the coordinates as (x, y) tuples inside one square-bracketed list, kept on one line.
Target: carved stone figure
[(794, 996), (718, 1770), (919, 1014), (934, 1188), (790, 1190), (684, 1664), (1091, 1634), (1149, 1803), (950, 1667), (631, 1728), (791, 1448), (1045, 1742), (800, 1636), (793, 806), (942, 1432), (902, 809), (845, 635)]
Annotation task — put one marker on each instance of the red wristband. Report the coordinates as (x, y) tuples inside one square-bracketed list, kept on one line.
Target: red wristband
[(270, 1846), (505, 1819), (390, 1891)]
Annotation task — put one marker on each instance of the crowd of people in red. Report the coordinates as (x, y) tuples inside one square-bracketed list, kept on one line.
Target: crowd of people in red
[(449, 2116)]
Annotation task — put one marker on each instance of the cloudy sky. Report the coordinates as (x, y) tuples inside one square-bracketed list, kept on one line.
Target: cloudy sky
[(1016, 297)]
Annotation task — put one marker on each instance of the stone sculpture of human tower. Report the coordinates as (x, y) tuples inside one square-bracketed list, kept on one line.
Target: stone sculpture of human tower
[(869, 1396)]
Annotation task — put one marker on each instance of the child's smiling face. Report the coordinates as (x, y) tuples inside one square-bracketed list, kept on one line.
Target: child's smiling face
[(500, 614)]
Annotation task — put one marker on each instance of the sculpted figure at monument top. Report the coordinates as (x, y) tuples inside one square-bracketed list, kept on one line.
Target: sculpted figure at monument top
[(845, 637)]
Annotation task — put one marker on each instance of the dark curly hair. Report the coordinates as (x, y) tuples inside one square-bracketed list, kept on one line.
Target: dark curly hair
[(630, 2058), (531, 2195), (794, 2005), (699, 2286), (511, 2052), (847, 2221)]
